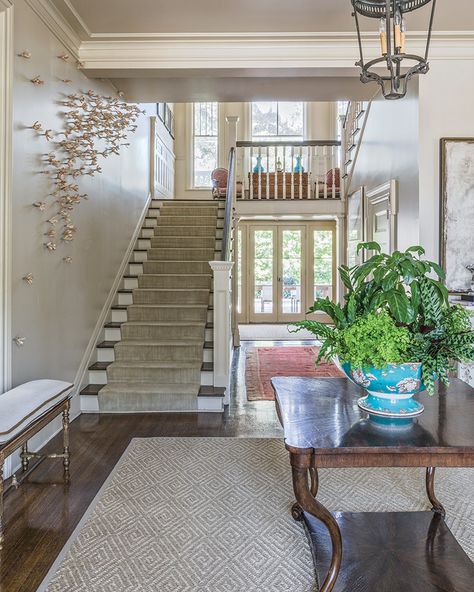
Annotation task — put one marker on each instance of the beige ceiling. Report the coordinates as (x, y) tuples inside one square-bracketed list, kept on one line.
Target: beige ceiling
[(221, 16)]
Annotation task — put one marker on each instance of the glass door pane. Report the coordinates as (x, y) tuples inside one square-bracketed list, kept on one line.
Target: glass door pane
[(323, 257), (263, 266), (290, 280)]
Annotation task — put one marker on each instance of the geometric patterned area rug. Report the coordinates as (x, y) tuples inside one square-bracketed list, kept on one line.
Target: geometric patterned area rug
[(263, 363), (213, 515)]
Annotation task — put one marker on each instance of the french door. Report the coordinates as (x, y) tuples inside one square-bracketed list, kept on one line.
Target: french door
[(282, 267)]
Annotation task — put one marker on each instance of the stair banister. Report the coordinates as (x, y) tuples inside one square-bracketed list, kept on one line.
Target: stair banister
[(222, 271)]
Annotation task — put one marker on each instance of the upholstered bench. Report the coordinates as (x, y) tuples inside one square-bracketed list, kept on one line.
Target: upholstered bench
[(24, 411)]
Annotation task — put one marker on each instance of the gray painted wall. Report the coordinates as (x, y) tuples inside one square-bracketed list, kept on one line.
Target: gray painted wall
[(57, 314), (389, 150)]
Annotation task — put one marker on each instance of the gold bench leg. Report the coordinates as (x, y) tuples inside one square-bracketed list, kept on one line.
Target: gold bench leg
[(2, 460), (25, 458), (66, 453)]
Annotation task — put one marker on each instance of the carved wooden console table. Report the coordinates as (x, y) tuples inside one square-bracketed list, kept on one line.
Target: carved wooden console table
[(370, 551)]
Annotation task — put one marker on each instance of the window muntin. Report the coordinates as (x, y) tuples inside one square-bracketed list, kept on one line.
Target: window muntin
[(205, 142)]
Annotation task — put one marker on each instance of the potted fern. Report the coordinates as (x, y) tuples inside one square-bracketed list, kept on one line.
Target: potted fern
[(396, 333)]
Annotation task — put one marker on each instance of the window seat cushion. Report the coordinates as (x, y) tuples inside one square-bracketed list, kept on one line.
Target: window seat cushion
[(23, 405)]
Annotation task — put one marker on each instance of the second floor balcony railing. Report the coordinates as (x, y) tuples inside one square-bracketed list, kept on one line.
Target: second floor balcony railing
[(289, 170)]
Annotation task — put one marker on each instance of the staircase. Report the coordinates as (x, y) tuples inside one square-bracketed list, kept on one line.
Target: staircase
[(353, 131), (158, 348)]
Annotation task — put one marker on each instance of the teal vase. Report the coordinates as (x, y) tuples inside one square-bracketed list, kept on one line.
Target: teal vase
[(258, 168), (299, 168)]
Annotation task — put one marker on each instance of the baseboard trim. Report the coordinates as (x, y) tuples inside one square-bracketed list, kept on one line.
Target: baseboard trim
[(81, 372)]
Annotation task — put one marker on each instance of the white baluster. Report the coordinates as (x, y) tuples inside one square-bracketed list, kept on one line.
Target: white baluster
[(284, 172), (259, 162), (300, 178), (275, 156), (308, 152), (250, 175), (292, 172), (333, 161), (267, 192), (325, 169)]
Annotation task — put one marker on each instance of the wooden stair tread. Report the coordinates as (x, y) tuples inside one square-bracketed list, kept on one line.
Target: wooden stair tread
[(113, 325), (92, 389), (106, 344), (99, 366), (211, 391), (208, 345), (207, 367), (119, 307)]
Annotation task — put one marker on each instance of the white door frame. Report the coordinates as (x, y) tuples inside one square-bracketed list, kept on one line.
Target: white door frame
[(6, 114), (387, 193)]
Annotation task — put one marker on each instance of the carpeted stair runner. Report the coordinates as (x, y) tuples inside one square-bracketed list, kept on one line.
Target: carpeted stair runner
[(158, 361)]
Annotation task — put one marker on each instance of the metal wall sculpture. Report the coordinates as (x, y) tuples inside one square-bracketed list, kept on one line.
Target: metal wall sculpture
[(94, 127)]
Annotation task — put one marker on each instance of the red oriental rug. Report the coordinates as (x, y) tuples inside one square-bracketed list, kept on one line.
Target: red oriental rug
[(263, 363)]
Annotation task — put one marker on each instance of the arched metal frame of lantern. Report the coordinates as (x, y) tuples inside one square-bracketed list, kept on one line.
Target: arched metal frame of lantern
[(392, 31)]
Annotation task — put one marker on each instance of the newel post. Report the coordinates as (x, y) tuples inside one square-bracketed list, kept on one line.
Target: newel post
[(222, 324)]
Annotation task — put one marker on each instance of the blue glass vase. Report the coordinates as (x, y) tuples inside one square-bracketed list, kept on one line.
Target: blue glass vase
[(258, 168), (299, 168)]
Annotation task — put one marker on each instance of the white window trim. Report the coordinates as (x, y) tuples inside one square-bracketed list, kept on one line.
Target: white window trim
[(306, 120), (190, 144)]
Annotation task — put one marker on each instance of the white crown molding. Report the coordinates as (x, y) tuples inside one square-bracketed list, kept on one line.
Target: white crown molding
[(285, 50), (57, 24), (149, 51)]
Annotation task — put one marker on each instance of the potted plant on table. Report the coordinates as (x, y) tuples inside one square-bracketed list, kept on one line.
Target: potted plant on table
[(396, 333)]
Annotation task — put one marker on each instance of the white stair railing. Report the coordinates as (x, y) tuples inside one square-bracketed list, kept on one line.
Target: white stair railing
[(222, 272), (289, 170)]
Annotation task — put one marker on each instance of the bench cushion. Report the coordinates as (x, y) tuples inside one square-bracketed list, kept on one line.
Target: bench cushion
[(23, 405)]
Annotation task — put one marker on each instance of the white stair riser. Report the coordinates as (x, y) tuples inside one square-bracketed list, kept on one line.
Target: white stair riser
[(97, 377), (211, 404), (150, 222), (210, 316), (143, 243), (147, 232), (112, 334), (119, 316), (130, 283), (125, 299), (207, 378), (89, 404), (208, 355), (153, 212), (209, 335), (138, 256), (135, 268), (105, 354)]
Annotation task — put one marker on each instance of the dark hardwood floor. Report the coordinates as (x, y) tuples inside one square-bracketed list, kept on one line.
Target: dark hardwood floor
[(41, 515)]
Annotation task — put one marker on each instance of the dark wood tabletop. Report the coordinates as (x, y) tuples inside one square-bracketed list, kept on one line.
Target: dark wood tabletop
[(368, 551), (322, 414)]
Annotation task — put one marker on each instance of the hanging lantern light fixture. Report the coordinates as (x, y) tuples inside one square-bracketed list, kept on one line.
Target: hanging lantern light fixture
[(400, 66)]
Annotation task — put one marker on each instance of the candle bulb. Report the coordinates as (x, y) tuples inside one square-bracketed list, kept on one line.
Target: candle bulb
[(403, 29), (398, 30), (383, 36)]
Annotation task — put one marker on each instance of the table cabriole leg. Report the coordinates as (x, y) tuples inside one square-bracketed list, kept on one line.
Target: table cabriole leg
[(437, 505), (66, 453), (305, 501)]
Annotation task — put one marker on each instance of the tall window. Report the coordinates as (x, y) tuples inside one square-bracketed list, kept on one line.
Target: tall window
[(277, 121), (205, 142)]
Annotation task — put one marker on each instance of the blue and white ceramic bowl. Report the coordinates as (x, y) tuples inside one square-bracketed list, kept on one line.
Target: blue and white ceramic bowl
[(390, 390)]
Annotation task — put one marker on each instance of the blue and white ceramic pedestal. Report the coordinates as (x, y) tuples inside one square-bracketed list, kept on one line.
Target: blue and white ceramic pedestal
[(390, 390), (390, 405)]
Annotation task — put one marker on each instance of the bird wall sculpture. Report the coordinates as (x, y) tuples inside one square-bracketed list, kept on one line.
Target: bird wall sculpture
[(94, 127)]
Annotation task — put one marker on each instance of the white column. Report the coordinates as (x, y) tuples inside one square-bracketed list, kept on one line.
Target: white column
[(222, 325), (232, 121)]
